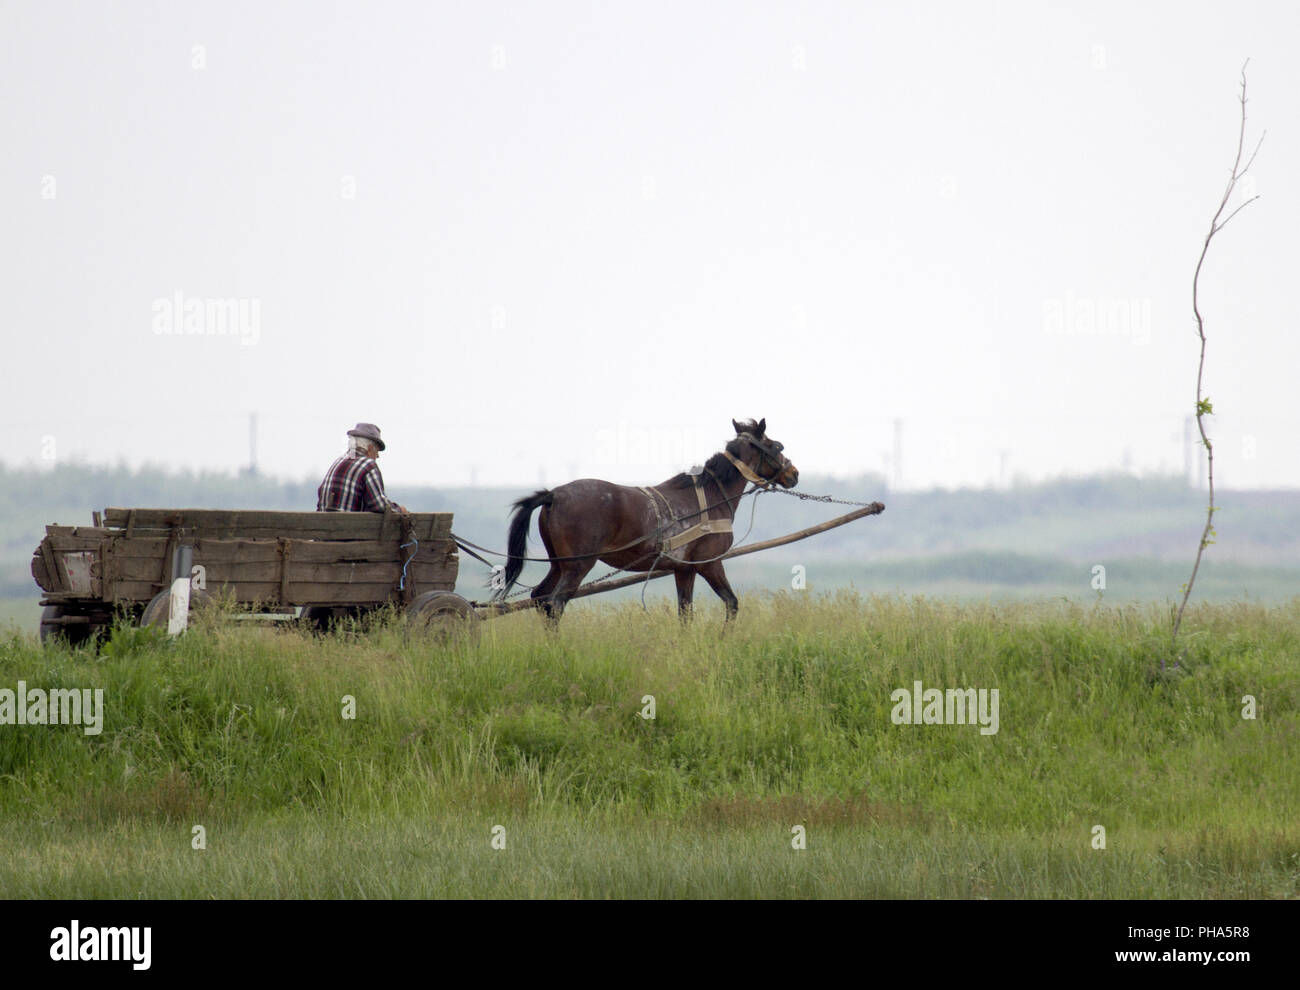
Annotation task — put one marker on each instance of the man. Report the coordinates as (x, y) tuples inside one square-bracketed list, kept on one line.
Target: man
[(353, 482)]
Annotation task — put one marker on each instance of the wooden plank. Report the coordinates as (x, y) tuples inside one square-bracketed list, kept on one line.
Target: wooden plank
[(231, 524), (87, 532), (214, 552), (127, 567), (80, 537), (106, 570), (75, 537), (268, 593), (124, 590), (57, 577), (343, 595), (286, 549), (296, 572), (139, 546)]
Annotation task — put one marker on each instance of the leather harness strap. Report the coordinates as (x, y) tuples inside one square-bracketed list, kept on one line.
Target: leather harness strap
[(746, 471), (705, 527)]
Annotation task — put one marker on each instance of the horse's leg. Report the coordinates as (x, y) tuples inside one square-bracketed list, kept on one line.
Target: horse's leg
[(685, 579), (717, 578), (572, 574), (542, 593)]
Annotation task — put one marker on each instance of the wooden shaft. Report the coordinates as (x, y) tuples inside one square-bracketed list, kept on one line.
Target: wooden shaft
[(874, 509)]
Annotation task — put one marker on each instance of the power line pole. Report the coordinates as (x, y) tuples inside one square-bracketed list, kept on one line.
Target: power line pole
[(898, 454), (252, 444)]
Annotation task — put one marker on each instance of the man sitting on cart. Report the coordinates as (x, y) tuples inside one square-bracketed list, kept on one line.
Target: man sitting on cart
[(353, 482)]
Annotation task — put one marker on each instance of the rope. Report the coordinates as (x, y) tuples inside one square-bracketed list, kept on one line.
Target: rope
[(401, 585)]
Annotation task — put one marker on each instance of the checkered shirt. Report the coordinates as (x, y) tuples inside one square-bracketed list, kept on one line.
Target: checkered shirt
[(353, 484)]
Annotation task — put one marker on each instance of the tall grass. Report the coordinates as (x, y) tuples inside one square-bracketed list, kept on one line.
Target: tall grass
[(783, 720)]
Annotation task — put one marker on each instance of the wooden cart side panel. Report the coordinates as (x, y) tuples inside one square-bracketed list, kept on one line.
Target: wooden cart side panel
[(268, 593), (136, 568), (233, 524), (241, 572), (137, 553), (260, 571)]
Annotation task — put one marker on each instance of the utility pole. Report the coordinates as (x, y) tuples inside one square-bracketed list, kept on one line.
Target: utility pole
[(252, 444), (898, 454), (1187, 452)]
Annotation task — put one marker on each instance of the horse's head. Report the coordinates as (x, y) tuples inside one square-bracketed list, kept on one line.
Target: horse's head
[(761, 454)]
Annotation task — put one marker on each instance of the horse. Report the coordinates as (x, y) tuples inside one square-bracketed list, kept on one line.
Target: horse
[(682, 524)]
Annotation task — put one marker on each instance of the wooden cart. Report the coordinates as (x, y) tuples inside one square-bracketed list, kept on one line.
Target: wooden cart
[(324, 562), (327, 563)]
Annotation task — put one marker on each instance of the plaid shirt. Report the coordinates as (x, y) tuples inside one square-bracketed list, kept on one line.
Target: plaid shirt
[(353, 484)]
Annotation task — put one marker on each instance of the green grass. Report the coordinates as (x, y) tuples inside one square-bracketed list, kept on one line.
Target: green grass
[(783, 721)]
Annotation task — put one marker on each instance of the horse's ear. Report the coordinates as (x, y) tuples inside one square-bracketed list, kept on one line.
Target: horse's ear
[(739, 429), (762, 426)]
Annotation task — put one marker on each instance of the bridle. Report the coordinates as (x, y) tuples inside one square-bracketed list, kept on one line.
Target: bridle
[(768, 449)]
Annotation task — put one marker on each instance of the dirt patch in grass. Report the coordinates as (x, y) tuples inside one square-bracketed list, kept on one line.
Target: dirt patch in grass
[(797, 809), (171, 799)]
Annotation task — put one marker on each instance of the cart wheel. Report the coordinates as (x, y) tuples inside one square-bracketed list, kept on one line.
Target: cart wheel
[(155, 613), (445, 614), (51, 627)]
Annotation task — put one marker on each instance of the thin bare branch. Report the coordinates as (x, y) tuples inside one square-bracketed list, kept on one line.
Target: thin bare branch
[(1235, 212), (1253, 154), (1203, 407)]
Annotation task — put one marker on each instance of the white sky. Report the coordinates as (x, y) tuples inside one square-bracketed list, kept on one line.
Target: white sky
[(584, 237)]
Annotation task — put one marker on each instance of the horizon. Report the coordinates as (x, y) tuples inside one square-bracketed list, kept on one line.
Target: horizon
[(232, 474)]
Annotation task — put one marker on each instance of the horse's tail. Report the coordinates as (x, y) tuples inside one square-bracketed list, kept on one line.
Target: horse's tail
[(517, 541)]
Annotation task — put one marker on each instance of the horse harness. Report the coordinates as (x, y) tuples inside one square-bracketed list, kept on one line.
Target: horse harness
[(705, 527)]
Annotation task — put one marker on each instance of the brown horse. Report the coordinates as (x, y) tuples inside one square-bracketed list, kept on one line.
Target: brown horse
[(682, 525)]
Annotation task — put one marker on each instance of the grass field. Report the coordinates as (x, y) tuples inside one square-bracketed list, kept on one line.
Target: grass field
[(784, 721)]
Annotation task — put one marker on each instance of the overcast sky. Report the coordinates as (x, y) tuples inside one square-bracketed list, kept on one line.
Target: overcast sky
[(539, 241)]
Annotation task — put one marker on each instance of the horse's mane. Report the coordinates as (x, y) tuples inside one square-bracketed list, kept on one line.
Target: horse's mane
[(722, 469)]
